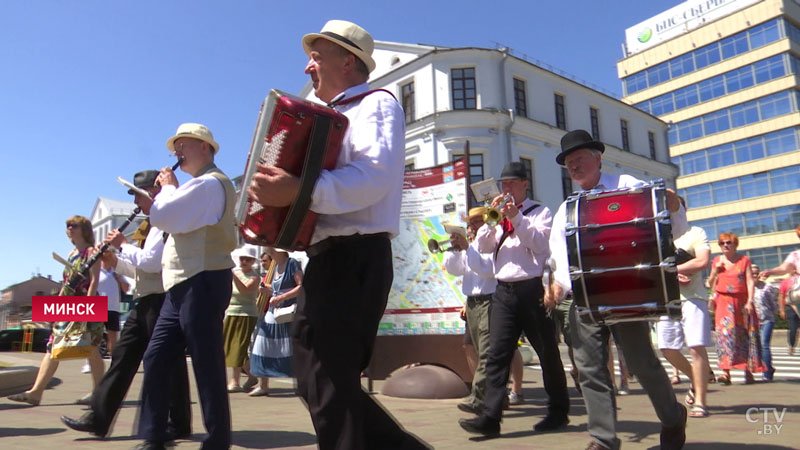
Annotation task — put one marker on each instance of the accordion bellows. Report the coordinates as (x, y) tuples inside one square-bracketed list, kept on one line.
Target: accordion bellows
[(302, 138)]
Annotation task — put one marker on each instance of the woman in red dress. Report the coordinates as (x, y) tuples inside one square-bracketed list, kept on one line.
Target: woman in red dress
[(738, 344)]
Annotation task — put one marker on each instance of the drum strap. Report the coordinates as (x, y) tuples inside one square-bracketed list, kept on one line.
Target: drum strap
[(506, 233)]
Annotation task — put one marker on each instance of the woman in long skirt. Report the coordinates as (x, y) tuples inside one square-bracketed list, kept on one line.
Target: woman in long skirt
[(241, 316), (271, 354), (738, 337)]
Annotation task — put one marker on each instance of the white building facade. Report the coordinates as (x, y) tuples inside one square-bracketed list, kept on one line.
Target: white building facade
[(510, 110)]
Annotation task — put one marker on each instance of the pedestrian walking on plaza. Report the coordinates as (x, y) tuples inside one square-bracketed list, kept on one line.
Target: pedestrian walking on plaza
[(738, 337), (240, 317), (271, 354), (79, 232), (766, 298), (142, 261)]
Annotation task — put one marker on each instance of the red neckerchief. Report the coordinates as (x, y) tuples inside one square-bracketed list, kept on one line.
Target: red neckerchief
[(508, 228)]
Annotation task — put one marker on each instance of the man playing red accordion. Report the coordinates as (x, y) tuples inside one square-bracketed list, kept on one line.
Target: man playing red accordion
[(349, 272)]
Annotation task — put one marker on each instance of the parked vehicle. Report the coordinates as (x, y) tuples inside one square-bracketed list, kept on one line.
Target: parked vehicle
[(11, 340)]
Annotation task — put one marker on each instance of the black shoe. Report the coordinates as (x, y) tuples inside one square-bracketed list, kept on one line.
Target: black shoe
[(85, 424), (481, 425), (673, 438), (150, 445), (470, 408), (173, 433), (551, 423)]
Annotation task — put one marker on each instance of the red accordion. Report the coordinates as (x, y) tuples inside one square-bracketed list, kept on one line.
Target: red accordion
[(302, 138)]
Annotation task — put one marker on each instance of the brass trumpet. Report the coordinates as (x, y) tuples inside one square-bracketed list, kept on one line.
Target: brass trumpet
[(493, 216), (435, 246)]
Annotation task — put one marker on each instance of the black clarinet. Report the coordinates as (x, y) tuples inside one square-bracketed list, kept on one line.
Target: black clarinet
[(77, 276)]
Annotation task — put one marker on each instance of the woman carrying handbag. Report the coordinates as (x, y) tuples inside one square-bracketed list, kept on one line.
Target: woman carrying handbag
[(271, 353)]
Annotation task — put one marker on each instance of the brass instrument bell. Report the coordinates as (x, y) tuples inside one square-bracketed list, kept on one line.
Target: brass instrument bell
[(435, 246)]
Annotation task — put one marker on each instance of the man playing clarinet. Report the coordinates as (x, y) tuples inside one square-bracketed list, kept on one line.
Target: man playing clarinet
[(143, 263), (196, 269), (349, 272)]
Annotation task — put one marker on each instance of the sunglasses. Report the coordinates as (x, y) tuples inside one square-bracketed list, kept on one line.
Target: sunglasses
[(721, 243), (71, 226)]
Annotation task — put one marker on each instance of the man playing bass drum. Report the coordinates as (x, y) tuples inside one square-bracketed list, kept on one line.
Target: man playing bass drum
[(582, 157)]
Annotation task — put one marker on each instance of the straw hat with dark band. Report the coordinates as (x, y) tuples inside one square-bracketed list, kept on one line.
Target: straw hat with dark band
[(347, 35), (194, 131)]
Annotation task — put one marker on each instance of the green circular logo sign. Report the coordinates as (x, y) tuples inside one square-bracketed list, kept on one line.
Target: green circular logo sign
[(645, 35)]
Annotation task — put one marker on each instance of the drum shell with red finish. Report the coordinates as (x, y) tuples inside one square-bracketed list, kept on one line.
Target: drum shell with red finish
[(621, 254)]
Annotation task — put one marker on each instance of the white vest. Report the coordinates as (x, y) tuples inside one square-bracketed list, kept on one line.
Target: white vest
[(207, 248)]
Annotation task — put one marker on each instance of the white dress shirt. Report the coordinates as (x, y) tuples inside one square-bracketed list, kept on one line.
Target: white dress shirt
[(524, 252), (363, 193), (558, 239), (147, 259), (200, 202), (476, 268)]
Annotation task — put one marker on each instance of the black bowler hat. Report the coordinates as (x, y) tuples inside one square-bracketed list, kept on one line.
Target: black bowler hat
[(144, 179), (576, 140), (514, 170)]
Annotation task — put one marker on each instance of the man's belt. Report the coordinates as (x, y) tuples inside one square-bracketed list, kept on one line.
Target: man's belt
[(518, 282), (334, 241), (480, 298)]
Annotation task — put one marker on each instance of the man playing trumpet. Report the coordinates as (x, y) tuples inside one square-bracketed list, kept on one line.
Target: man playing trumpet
[(478, 286), (520, 248)]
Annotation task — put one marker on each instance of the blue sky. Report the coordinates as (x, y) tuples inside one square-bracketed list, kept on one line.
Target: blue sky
[(90, 90)]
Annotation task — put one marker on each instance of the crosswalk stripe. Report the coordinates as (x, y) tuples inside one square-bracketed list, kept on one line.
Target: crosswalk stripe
[(786, 366)]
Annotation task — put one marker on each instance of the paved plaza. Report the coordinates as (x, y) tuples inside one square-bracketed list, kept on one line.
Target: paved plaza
[(759, 416)]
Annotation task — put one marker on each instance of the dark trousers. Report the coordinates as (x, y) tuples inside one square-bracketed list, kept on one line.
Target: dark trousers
[(191, 318), (125, 359), (345, 290), (794, 322), (516, 307)]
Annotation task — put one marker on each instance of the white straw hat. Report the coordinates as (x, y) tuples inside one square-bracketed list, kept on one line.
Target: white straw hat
[(247, 250), (348, 35), (194, 131)]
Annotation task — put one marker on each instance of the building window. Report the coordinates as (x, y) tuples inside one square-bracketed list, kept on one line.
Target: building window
[(528, 163), (721, 50), (561, 115), (747, 186), (623, 126), (475, 173), (595, 120), (757, 110), (409, 166), (651, 140), (407, 92), (519, 98), (566, 183), (463, 81)]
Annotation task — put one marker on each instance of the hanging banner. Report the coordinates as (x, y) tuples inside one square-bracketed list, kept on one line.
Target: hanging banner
[(424, 298)]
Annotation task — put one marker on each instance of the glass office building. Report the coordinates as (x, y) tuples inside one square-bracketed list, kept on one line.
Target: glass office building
[(724, 76)]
